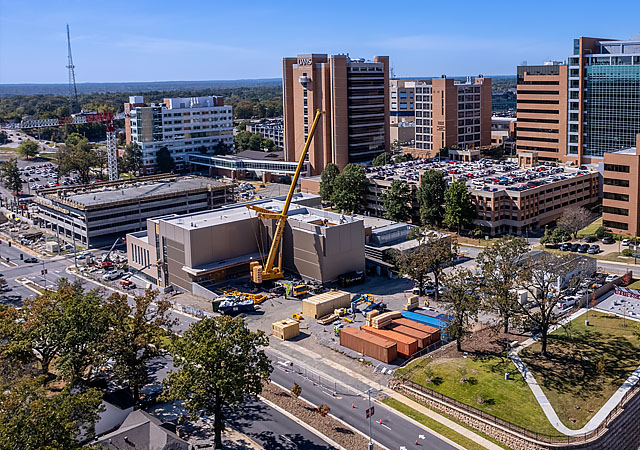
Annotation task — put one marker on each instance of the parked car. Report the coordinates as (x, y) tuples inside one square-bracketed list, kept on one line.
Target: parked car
[(607, 240), (574, 247), (625, 242), (110, 276), (105, 264), (31, 260), (584, 248), (594, 250), (610, 278), (565, 247), (591, 239)]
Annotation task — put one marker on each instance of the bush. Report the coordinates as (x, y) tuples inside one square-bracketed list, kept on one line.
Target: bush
[(323, 410), (296, 390), (627, 252)]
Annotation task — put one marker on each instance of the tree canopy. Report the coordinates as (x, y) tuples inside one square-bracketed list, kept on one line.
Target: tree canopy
[(397, 201), (500, 266), (136, 335), (28, 148), (382, 159), (219, 364), (327, 180), (349, 189), (77, 155), (431, 197), (462, 303), (459, 211), (164, 161), (574, 219), (10, 174), (132, 158)]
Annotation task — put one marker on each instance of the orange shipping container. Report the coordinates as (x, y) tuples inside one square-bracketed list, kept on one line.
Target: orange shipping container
[(406, 346), (368, 344), (433, 331), (420, 336)]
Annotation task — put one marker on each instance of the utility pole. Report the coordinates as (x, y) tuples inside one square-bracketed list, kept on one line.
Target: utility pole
[(368, 392)]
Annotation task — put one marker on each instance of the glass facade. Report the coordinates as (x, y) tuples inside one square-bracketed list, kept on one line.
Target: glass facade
[(612, 107)]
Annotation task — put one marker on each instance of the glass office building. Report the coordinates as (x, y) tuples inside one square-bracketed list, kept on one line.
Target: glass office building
[(604, 96)]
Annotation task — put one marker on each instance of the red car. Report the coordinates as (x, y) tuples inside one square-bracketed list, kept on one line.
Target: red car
[(105, 264)]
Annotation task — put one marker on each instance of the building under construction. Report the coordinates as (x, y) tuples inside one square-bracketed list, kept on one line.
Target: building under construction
[(96, 215), (194, 251)]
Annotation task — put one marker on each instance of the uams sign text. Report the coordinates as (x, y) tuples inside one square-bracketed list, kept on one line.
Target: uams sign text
[(304, 61)]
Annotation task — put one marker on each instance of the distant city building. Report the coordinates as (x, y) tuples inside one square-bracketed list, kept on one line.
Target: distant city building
[(621, 190), (452, 113), (401, 94), (542, 110), (109, 210), (604, 97), (183, 125), (353, 93), (271, 129)]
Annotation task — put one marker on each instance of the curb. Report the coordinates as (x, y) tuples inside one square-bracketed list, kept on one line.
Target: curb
[(301, 423)]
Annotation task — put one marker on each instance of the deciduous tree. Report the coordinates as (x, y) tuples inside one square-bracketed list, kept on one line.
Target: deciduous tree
[(430, 197), (164, 160), (397, 201), (132, 158), (462, 302), (77, 155), (10, 174), (574, 219), (500, 266), (543, 275), (28, 148), (219, 364), (349, 189), (459, 211), (431, 256), (327, 180), (136, 336), (31, 418), (381, 159)]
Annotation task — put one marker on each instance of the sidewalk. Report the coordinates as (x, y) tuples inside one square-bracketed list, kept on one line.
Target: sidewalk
[(393, 394)]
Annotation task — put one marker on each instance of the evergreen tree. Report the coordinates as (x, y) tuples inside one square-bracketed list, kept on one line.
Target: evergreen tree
[(430, 197), (397, 201)]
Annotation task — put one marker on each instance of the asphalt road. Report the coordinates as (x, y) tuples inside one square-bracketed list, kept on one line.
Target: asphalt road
[(395, 431)]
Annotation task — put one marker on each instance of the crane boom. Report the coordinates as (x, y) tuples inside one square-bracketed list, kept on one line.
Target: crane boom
[(269, 272)]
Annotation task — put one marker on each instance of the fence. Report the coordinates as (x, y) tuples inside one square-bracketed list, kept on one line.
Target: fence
[(318, 379), (540, 437)]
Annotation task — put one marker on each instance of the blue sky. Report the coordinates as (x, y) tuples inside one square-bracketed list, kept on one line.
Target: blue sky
[(140, 40)]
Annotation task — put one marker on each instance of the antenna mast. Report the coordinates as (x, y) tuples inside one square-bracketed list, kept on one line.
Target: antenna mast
[(73, 91)]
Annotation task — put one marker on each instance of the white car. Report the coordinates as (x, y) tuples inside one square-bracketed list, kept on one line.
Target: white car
[(610, 278), (625, 242), (110, 276)]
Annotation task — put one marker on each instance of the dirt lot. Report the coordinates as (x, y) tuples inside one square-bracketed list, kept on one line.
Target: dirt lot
[(487, 341)]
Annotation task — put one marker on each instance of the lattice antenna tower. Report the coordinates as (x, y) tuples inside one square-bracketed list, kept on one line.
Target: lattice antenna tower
[(73, 91)]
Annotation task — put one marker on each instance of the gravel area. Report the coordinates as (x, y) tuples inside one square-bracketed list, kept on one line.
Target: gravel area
[(328, 426)]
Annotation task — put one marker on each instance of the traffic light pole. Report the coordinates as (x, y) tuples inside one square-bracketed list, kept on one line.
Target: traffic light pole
[(368, 392)]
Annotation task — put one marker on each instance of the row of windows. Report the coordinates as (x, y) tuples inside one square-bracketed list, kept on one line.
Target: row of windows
[(616, 168), (616, 211), (616, 182), (538, 120), (140, 255), (536, 139), (537, 130), (538, 93), (537, 111), (616, 196), (614, 224), (540, 102)]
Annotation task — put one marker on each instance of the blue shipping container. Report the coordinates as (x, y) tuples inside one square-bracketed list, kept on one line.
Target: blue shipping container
[(432, 321)]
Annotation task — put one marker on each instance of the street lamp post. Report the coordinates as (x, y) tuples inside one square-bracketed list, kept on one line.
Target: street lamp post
[(506, 366), (586, 320), (368, 392)]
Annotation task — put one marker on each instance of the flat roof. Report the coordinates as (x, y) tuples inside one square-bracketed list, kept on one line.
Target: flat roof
[(238, 212), (141, 191), (627, 151)]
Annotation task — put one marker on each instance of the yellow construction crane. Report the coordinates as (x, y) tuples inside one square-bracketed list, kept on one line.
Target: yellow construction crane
[(269, 271)]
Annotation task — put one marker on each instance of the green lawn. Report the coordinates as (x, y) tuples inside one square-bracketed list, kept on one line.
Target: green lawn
[(485, 389), (590, 229), (634, 285), (438, 427), (586, 365)]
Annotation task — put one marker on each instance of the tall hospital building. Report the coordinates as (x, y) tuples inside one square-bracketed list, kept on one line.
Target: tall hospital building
[(183, 125), (353, 93)]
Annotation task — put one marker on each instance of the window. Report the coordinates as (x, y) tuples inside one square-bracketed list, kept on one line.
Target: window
[(616, 182), (616, 196), (613, 224), (394, 95), (616, 168), (614, 210)]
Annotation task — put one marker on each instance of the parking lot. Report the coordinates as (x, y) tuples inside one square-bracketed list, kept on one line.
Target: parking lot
[(484, 174)]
